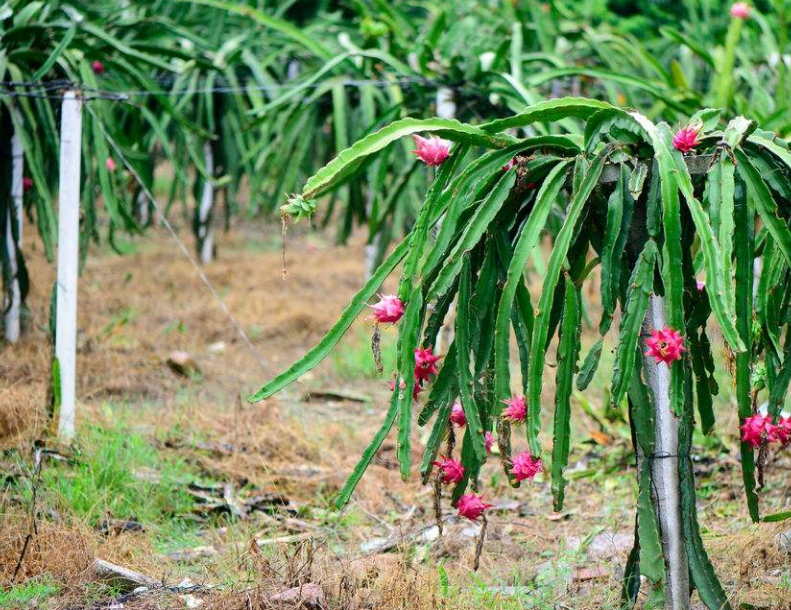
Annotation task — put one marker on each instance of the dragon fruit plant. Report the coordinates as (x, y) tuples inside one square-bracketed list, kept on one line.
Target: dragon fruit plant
[(658, 212)]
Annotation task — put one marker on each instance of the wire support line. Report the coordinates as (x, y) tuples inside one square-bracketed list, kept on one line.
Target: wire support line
[(8, 88), (182, 246)]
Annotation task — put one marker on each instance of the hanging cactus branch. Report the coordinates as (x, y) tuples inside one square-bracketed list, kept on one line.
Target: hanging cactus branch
[(658, 212)]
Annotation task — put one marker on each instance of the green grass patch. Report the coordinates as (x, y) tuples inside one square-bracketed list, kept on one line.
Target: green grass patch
[(30, 594), (118, 473), (353, 358)]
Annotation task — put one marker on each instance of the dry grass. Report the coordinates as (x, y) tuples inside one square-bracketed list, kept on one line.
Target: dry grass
[(58, 550)]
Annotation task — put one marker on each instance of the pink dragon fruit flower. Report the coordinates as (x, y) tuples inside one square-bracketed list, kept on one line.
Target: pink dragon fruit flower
[(457, 415), (425, 363), (665, 345), (97, 67), (389, 309), (780, 432), (755, 428), (433, 150), (488, 441), (452, 470), (701, 285), (516, 409), (525, 466), (740, 10), (471, 506), (416, 389), (686, 139), (27, 183), (110, 164)]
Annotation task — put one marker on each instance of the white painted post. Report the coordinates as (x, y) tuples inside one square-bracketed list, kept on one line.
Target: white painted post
[(142, 208), (68, 258), (446, 109), (372, 248), (292, 71), (446, 104), (664, 470), (205, 231), (13, 316)]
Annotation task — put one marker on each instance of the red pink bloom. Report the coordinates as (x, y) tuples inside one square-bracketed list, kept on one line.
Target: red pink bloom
[(525, 466), (471, 506), (457, 415), (388, 309), (755, 428), (452, 470), (780, 432), (686, 139), (516, 409), (665, 345), (432, 150), (488, 441), (425, 364), (740, 10)]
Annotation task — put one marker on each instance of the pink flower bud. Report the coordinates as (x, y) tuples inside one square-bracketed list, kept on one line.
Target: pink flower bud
[(686, 139), (665, 345), (425, 364), (388, 309), (452, 470), (432, 151), (457, 415), (110, 164), (488, 441), (416, 389), (740, 10), (525, 466), (516, 409), (755, 428), (97, 67), (701, 285), (510, 164), (471, 506), (27, 184)]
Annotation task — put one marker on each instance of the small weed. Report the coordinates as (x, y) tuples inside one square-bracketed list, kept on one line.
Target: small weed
[(176, 326), (122, 317), (31, 594), (255, 332)]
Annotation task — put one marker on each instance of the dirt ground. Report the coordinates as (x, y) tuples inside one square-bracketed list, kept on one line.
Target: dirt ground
[(297, 448)]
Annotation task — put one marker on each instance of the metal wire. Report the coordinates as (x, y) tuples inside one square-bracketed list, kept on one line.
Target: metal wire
[(184, 250), (9, 88)]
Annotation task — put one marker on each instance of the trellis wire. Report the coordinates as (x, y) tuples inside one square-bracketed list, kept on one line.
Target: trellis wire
[(115, 95)]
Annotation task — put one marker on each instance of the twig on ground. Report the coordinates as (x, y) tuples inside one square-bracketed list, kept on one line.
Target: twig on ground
[(33, 531), (479, 544)]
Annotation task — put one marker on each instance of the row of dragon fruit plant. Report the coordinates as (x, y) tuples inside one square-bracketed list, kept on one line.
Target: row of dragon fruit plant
[(268, 109)]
